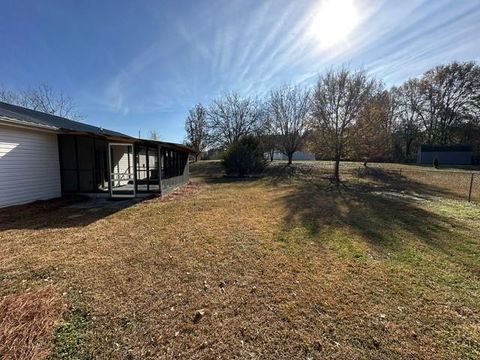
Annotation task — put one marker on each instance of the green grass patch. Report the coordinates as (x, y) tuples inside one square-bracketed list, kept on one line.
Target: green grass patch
[(70, 338)]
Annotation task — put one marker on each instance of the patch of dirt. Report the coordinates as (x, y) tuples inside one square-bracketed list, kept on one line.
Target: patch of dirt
[(27, 322), (191, 189)]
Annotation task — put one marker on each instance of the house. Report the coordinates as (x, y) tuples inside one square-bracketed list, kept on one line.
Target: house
[(43, 156), (445, 154), (297, 156)]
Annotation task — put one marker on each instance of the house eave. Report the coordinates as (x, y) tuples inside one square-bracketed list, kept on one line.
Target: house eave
[(7, 121)]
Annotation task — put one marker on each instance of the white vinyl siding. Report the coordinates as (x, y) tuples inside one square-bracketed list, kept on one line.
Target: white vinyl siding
[(29, 166)]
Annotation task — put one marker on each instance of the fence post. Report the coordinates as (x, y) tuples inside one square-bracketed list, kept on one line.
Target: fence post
[(470, 191)]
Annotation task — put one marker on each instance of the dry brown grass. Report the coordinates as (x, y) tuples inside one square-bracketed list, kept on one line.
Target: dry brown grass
[(452, 182), (284, 267), (27, 321)]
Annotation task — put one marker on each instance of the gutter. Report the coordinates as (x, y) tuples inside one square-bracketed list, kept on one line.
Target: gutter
[(28, 125)]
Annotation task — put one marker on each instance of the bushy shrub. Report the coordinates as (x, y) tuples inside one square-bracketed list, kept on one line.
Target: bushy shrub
[(244, 157)]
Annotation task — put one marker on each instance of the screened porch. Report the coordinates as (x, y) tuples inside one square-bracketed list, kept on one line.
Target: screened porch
[(93, 165)]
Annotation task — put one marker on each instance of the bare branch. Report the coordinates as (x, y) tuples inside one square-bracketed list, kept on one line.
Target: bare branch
[(232, 117), (44, 99)]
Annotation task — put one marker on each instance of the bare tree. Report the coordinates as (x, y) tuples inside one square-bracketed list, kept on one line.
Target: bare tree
[(232, 117), (9, 96), (197, 129), (289, 108), (153, 135), (338, 100), (408, 115), (42, 98), (451, 95)]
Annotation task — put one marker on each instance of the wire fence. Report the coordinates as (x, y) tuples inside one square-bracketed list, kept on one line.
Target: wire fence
[(454, 184), (457, 185)]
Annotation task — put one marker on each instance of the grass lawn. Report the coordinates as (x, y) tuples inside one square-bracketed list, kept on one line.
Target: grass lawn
[(282, 267)]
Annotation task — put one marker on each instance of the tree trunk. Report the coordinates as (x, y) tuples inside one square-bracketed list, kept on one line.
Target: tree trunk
[(196, 157), (290, 156), (337, 170)]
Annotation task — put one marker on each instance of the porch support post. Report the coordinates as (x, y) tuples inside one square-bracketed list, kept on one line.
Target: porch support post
[(160, 162)]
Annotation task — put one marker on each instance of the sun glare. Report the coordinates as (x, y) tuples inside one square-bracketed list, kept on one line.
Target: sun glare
[(334, 21)]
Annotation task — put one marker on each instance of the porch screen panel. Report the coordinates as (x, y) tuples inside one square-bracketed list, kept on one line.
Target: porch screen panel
[(86, 163), (68, 162), (162, 164), (153, 168), (101, 164), (142, 167)]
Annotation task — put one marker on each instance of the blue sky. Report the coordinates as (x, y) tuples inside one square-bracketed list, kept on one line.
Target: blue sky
[(140, 65)]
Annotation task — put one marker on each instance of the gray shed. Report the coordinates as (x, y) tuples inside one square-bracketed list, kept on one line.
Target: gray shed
[(297, 156), (445, 154)]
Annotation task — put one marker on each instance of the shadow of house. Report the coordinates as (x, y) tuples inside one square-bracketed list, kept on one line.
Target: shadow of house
[(68, 212)]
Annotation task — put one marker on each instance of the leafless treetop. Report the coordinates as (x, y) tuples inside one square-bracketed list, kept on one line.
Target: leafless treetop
[(232, 116), (197, 129), (289, 108)]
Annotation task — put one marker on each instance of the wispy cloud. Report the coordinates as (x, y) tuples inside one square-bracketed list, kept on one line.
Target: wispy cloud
[(143, 64), (250, 47)]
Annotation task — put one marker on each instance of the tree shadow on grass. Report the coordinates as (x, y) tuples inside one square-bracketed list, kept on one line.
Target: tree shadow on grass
[(396, 181), (384, 212), (379, 204)]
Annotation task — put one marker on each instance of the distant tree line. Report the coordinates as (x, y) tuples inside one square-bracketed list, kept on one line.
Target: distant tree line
[(348, 114)]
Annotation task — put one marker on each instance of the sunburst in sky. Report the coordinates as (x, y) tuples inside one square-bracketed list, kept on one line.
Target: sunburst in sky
[(334, 21)]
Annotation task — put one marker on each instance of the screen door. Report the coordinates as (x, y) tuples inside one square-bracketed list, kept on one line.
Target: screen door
[(122, 174)]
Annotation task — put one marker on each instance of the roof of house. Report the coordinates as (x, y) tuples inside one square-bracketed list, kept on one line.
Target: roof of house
[(446, 148), (35, 118), (22, 116), (171, 145)]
